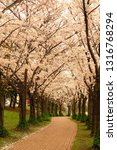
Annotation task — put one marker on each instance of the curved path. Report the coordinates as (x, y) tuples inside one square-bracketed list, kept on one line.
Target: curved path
[(59, 135)]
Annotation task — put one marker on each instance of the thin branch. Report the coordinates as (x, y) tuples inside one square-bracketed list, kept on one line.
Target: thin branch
[(93, 9), (54, 72), (8, 35), (11, 5), (6, 22)]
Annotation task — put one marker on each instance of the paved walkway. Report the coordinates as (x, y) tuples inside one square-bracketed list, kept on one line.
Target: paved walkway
[(59, 135)]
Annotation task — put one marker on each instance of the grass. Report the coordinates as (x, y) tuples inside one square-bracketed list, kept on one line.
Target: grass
[(83, 141), (11, 119)]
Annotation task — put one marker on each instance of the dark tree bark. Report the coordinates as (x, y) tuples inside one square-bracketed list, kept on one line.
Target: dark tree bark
[(46, 105), (32, 108), (1, 111), (56, 110), (42, 106), (90, 109), (1, 103), (38, 108), (79, 106), (15, 100), (74, 108), (52, 108), (90, 105), (69, 110), (60, 109), (23, 94), (97, 103), (84, 106), (49, 107), (11, 102)]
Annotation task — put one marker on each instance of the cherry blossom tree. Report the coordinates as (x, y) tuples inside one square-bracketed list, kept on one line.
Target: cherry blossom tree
[(50, 54)]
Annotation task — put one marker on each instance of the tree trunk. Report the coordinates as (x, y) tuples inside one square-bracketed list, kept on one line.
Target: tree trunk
[(90, 105), (69, 110), (74, 108), (56, 110), (23, 94), (11, 101), (79, 107), (49, 107), (84, 106), (38, 108), (15, 100), (90, 110), (22, 115), (42, 106), (1, 111), (96, 110), (1, 103), (60, 109), (97, 103), (93, 115), (52, 108), (46, 106), (32, 108)]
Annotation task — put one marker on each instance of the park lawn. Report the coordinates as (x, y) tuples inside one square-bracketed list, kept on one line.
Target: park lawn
[(11, 119), (83, 141)]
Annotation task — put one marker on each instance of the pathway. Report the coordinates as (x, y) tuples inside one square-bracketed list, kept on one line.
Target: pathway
[(59, 135)]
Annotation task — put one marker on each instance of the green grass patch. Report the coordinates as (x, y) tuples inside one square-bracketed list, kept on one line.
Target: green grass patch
[(83, 141), (11, 120)]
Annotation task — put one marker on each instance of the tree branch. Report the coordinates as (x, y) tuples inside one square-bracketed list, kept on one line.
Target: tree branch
[(11, 5)]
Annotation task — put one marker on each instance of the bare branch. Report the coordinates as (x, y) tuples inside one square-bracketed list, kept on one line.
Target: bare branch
[(8, 35), (93, 9), (11, 5)]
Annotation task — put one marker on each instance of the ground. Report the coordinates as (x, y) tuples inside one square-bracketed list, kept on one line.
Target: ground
[(83, 140), (59, 135)]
